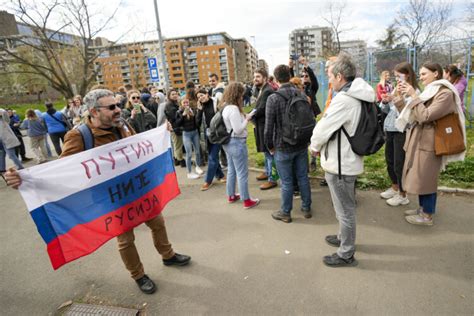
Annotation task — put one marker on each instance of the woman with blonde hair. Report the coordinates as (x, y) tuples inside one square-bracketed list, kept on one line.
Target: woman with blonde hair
[(384, 86), (136, 114), (187, 119), (236, 149)]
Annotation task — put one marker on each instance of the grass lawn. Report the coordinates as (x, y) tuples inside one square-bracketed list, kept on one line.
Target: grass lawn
[(22, 108), (458, 174)]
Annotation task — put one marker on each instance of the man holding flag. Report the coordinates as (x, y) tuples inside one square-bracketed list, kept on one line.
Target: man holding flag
[(106, 126)]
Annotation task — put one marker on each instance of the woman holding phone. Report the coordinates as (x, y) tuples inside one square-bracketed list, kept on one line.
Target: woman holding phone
[(186, 118), (422, 164), (136, 114), (392, 104)]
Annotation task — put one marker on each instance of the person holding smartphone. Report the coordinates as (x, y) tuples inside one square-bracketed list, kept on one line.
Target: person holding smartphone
[(186, 118), (392, 104), (136, 114)]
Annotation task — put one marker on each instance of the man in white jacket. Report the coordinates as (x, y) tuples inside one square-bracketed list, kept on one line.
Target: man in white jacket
[(344, 111)]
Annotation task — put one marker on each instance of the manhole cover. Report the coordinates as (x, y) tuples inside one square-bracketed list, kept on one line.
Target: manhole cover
[(78, 309)]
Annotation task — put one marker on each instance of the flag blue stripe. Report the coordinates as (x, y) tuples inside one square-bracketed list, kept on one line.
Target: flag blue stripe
[(57, 218)]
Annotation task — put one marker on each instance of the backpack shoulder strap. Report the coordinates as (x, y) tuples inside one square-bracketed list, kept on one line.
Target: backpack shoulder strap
[(87, 137), (339, 167)]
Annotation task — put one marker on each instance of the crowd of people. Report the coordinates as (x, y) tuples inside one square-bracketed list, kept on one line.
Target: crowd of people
[(409, 119)]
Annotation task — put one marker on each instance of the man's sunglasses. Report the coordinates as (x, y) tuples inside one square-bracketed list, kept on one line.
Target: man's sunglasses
[(110, 107)]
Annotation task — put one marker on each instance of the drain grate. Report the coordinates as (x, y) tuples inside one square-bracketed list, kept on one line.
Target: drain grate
[(78, 309)]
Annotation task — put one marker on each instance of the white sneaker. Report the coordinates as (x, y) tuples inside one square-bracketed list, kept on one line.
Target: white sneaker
[(193, 176), (199, 170), (413, 212), (398, 200), (389, 193)]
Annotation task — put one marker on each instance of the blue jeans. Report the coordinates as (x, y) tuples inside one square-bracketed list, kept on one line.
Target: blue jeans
[(237, 167), (11, 154), (268, 166), (191, 140), (428, 202), (213, 167), (288, 163)]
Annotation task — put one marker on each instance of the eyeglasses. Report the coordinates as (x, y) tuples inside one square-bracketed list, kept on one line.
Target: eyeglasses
[(135, 98), (110, 107), (304, 76)]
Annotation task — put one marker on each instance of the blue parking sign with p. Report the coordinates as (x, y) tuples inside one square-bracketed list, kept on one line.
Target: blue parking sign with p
[(153, 67)]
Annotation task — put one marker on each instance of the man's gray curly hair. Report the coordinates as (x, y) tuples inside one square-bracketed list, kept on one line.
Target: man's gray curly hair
[(91, 99)]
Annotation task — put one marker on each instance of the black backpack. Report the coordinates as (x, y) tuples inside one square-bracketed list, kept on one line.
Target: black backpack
[(218, 133), (298, 119), (368, 137)]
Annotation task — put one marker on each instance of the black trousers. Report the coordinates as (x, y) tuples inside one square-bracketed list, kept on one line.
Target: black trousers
[(20, 150), (395, 156), (55, 138)]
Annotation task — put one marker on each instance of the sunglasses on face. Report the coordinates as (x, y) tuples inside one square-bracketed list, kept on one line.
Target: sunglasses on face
[(135, 98), (110, 107)]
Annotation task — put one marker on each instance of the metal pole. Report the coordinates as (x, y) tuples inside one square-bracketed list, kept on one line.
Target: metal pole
[(162, 50)]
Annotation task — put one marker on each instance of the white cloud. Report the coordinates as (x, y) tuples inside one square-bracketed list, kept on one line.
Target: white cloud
[(270, 21)]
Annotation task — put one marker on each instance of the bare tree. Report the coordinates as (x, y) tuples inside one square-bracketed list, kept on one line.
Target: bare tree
[(391, 38), (421, 22), (334, 14), (66, 61)]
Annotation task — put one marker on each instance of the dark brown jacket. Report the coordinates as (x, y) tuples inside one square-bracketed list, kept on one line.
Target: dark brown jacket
[(74, 144)]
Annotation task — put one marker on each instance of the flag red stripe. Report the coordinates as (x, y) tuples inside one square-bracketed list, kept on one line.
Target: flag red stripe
[(86, 238)]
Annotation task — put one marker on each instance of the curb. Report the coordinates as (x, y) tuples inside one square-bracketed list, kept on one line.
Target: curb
[(440, 189)]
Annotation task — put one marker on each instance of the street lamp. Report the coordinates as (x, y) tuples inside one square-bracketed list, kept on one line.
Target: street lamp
[(160, 40)]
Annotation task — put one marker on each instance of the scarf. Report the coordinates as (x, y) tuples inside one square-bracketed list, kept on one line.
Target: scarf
[(407, 117)]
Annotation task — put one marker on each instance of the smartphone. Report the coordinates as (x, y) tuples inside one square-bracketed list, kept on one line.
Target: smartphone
[(137, 107), (294, 57), (253, 112), (402, 77)]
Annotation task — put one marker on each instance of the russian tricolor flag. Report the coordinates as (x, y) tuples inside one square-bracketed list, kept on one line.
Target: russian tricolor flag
[(80, 202)]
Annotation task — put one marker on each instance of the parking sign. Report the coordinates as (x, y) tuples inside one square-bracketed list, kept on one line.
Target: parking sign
[(153, 67)]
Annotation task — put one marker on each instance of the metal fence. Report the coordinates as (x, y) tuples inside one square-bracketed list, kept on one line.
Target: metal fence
[(459, 52)]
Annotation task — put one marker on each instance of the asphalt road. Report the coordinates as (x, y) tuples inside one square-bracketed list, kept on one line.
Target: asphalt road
[(245, 263)]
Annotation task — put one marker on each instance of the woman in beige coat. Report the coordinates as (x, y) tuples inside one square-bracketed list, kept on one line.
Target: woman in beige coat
[(422, 166)]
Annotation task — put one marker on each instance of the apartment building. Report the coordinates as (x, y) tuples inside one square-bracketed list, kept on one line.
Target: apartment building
[(263, 64), (192, 57), (201, 55), (313, 42), (128, 64), (246, 57), (357, 49)]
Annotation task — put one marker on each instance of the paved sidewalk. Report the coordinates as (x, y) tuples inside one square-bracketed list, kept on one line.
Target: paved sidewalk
[(244, 262)]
